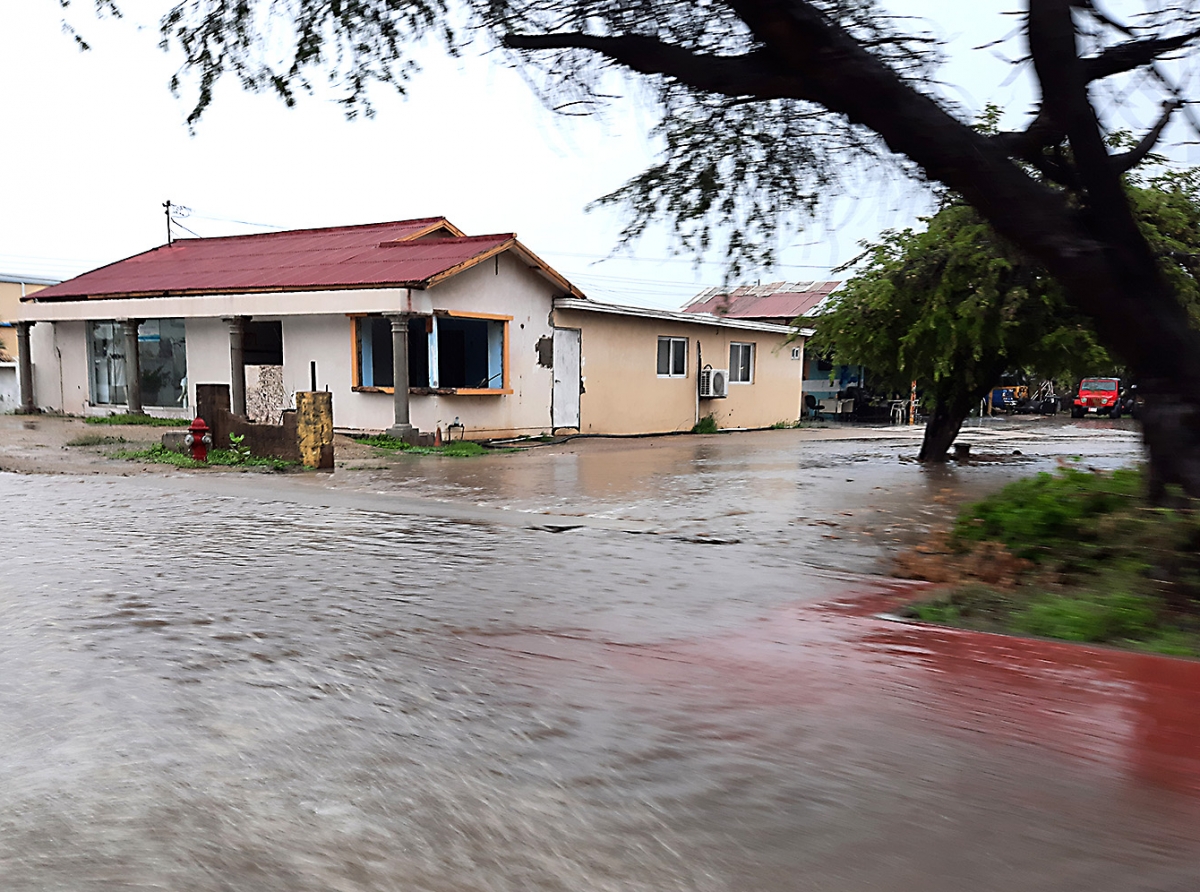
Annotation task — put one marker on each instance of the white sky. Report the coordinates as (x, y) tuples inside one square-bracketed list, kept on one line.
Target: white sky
[(94, 143)]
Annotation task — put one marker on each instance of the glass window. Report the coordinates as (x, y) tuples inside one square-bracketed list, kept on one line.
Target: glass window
[(741, 363), (162, 356), (451, 352), (672, 357)]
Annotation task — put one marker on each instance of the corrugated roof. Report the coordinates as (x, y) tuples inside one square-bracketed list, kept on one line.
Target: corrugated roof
[(781, 301), (407, 253)]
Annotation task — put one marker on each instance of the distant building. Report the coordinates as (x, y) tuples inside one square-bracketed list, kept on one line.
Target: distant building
[(833, 388), (12, 289), (488, 339)]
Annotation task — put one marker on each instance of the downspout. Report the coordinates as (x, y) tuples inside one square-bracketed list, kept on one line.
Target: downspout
[(699, 366)]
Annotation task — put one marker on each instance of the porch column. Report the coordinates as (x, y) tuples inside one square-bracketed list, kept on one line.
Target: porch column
[(133, 368), (401, 428), (237, 363), (25, 358)]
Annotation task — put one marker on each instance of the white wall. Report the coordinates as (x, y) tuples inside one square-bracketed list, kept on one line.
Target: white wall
[(327, 341), (317, 327), (509, 288), (60, 366), (208, 357), (10, 387)]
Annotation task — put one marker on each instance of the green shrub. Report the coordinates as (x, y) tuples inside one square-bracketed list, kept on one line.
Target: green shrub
[(144, 420), (159, 454), (706, 425), (1029, 514), (454, 449), (1097, 619)]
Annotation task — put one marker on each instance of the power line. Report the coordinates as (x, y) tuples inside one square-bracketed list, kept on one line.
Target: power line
[(604, 258)]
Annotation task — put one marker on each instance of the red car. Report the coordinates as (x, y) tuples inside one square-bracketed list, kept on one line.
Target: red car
[(1098, 396)]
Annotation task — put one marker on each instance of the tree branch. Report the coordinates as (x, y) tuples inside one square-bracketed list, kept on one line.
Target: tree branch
[(1128, 160), (1133, 54), (745, 75), (1027, 144)]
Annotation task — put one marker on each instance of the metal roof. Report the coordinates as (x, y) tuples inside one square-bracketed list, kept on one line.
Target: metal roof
[(692, 317), (27, 280), (780, 301), (407, 253)]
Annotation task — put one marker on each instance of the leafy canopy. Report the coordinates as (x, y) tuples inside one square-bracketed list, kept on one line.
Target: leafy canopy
[(954, 303)]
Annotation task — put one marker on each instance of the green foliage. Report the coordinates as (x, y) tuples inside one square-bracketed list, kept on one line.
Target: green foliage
[(1031, 516), (953, 307), (453, 449), (127, 418), (159, 454), (1102, 618), (706, 425), (238, 448), (1106, 567)]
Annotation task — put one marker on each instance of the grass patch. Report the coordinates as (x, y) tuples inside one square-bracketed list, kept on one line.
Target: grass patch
[(706, 425), (161, 455), (1077, 555), (454, 449), (144, 420), (96, 440)]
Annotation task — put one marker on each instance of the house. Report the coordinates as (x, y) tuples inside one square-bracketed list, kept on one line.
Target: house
[(783, 303), (410, 324), (12, 289)]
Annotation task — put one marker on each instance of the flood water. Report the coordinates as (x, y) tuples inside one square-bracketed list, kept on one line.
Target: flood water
[(609, 667)]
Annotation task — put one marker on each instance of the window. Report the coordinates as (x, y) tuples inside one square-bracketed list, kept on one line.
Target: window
[(162, 357), (373, 343), (672, 357), (741, 363), (262, 343), (446, 351)]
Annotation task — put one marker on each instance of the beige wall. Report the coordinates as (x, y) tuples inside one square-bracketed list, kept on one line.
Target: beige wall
[(10, 301), (623, 393)]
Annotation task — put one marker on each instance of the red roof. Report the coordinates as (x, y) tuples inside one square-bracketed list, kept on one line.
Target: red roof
[(408, 253), (779, 301)]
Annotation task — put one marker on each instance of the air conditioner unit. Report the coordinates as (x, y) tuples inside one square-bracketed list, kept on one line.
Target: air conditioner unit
[(714, 384)]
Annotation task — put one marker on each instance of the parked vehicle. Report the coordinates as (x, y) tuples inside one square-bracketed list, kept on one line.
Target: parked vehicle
[(1132, 401), (1098, 396)]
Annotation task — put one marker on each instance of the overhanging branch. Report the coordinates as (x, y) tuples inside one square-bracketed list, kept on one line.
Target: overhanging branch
[(744, 75), (1131, 159), (1134, 54)]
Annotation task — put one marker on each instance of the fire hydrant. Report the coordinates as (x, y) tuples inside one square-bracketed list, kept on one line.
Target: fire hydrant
[(198, 439)]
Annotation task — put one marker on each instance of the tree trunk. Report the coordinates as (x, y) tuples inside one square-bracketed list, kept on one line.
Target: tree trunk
[(951, 410)]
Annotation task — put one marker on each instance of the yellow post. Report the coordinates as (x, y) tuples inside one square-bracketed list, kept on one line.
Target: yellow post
[(314, 428), (912, 404)]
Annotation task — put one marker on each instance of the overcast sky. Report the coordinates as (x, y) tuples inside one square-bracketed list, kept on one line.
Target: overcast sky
[(95, 142)]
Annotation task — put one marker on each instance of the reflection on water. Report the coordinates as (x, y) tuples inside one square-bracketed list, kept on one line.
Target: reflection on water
[(255, 691)]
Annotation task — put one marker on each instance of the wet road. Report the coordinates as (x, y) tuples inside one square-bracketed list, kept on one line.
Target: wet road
[(601, 666)]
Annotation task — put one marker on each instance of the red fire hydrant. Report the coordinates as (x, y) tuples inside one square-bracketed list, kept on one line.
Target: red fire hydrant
[(198, 439)]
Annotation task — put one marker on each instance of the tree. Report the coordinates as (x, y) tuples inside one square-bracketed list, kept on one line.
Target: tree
[(762, 101), (953, 307)]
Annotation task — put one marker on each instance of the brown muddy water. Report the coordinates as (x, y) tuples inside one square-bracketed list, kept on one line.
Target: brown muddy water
[(594, 667)]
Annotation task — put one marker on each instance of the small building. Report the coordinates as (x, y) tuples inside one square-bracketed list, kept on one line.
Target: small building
[(832, 387), (12, 289), (411, 324)]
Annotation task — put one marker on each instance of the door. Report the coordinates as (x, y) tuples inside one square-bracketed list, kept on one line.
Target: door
[(568, 369)]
